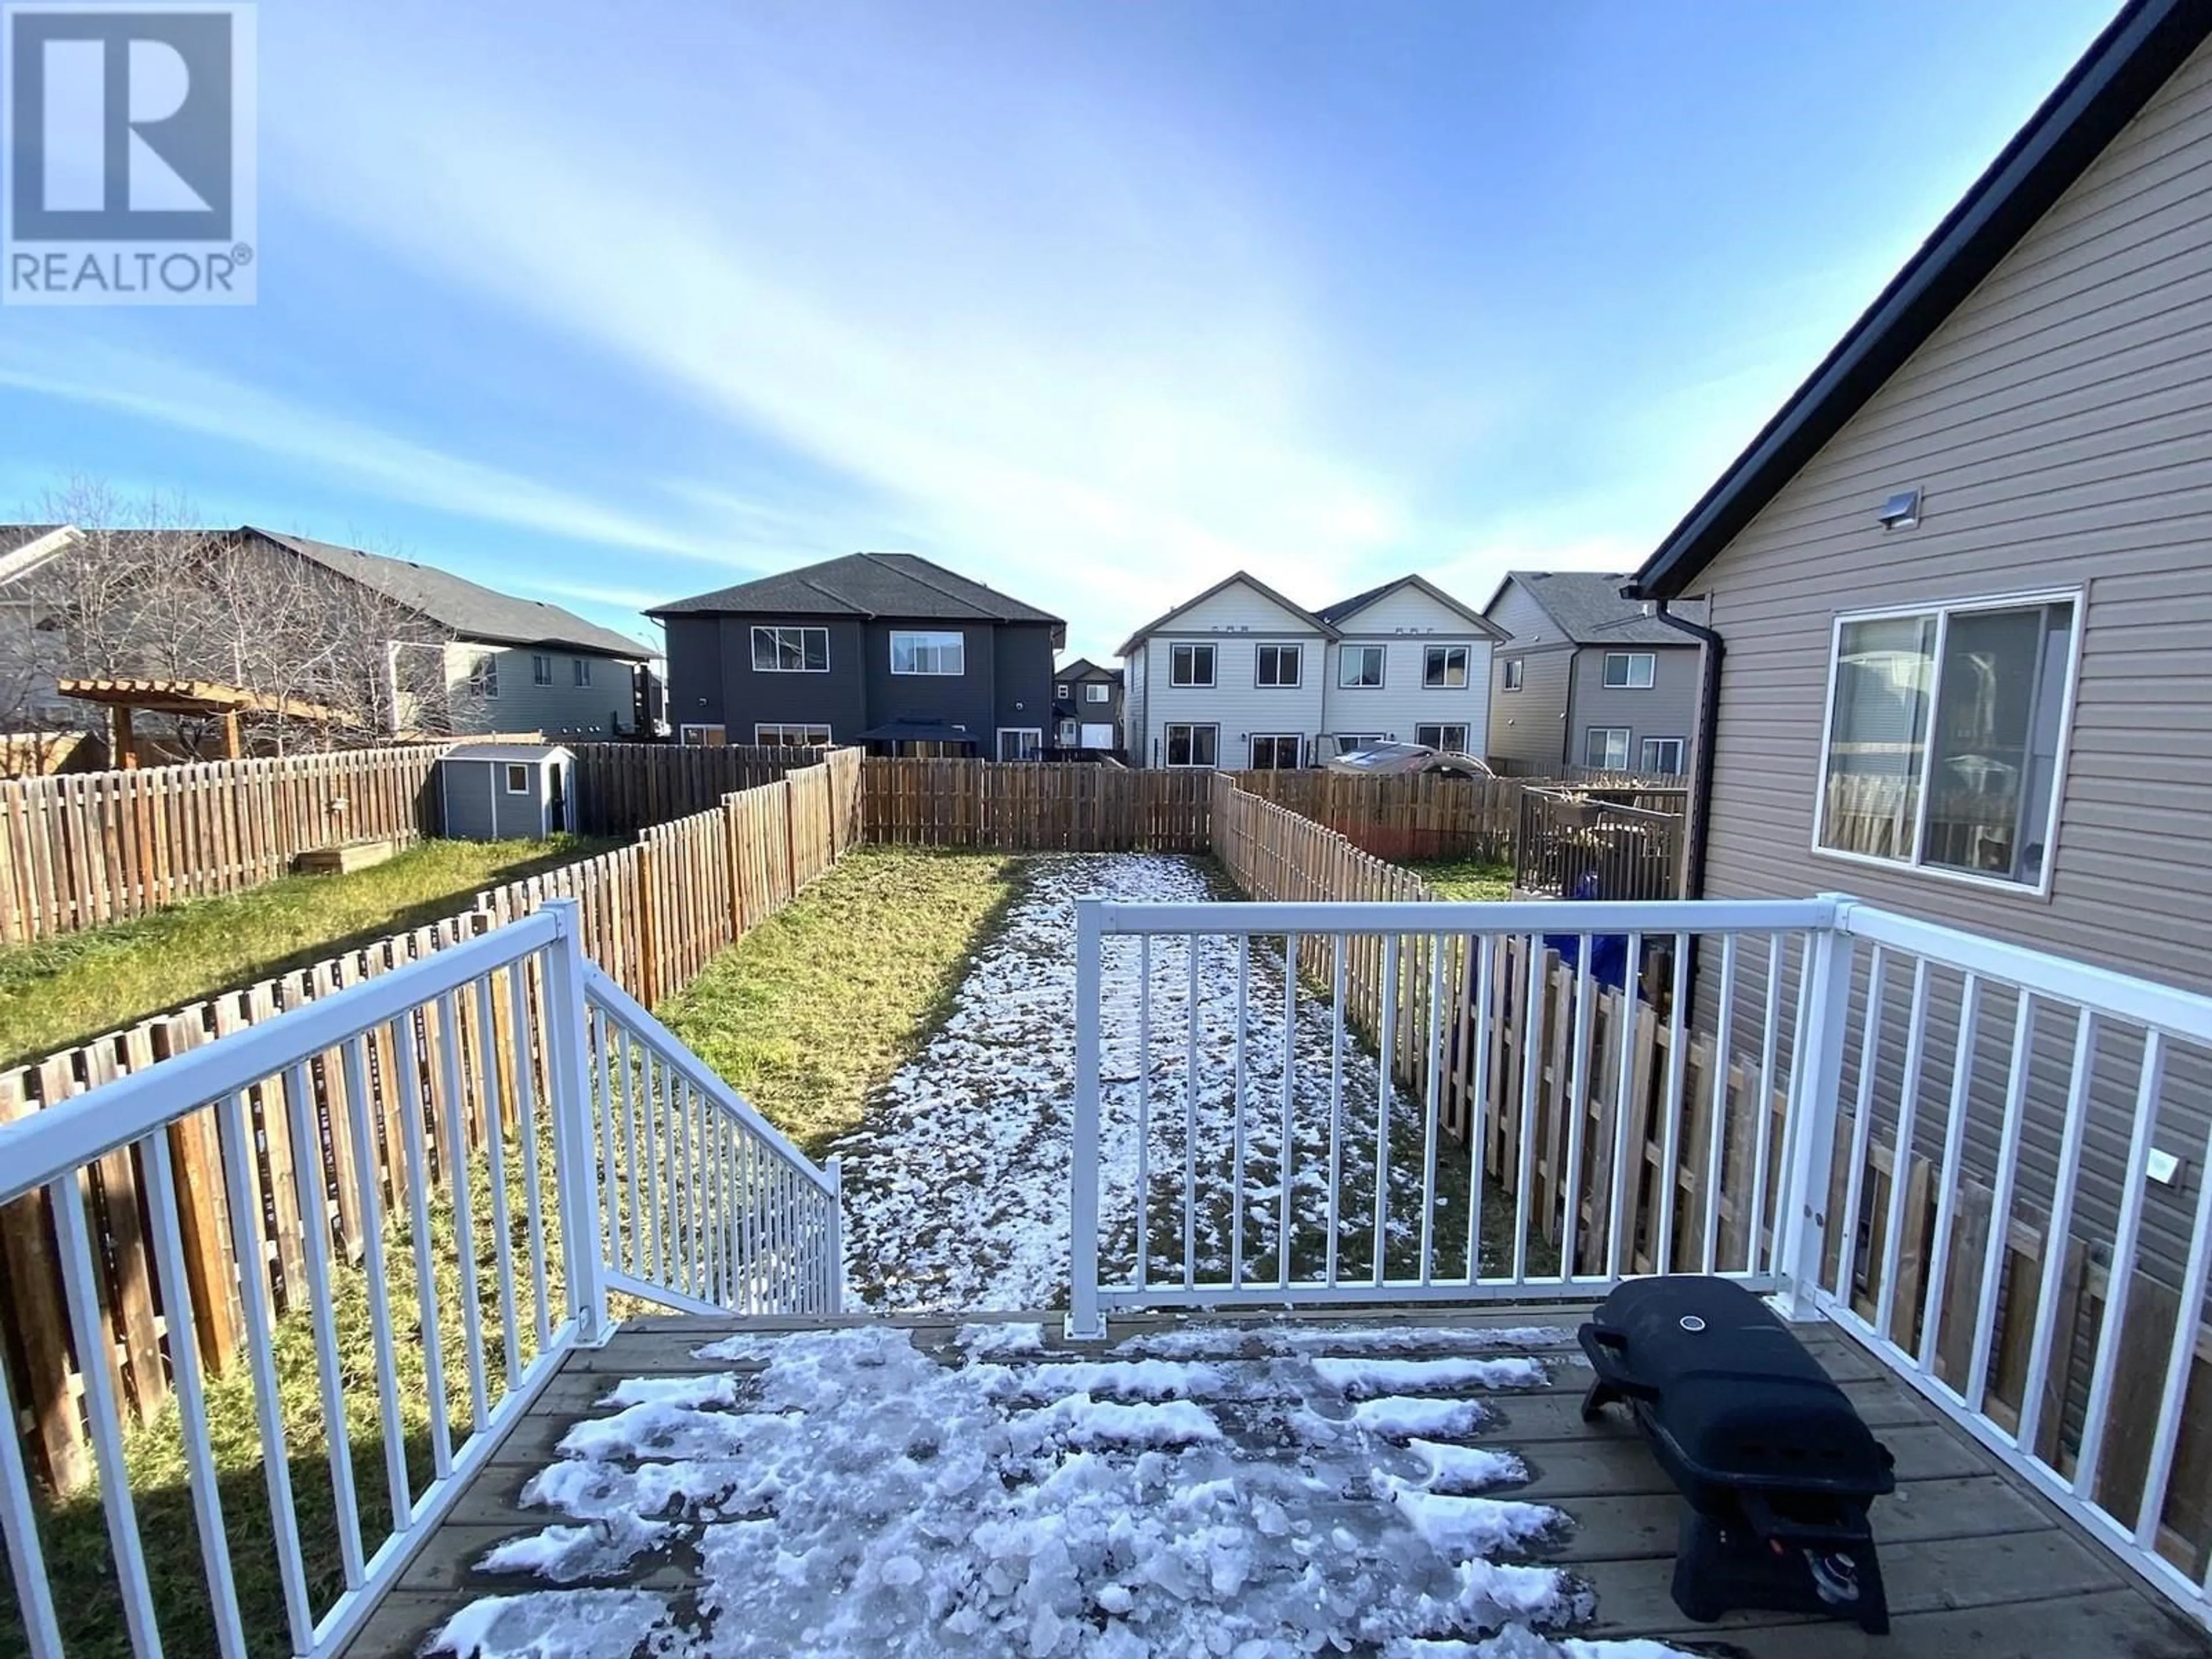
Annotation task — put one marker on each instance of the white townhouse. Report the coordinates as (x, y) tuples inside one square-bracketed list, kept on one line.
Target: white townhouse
[(1242, 677)]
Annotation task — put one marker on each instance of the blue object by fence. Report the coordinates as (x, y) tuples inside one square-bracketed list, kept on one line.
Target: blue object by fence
[(1608, 961)]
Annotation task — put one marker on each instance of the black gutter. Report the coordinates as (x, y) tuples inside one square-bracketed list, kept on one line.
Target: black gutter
[(1709, 715), (2135, 55)]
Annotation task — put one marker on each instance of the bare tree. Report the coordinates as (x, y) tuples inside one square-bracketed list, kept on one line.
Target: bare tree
[(140, 592)]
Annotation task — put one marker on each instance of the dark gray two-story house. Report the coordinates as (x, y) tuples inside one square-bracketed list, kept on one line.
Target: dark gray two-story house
[(1589, 681), (1086, 708), (885, 650)]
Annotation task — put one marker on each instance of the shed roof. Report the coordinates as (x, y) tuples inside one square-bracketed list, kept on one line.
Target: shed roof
[(504, 751), (2137, 54)]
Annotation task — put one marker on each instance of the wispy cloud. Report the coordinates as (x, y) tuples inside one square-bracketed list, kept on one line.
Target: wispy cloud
[(155, 388), (1119, 408)]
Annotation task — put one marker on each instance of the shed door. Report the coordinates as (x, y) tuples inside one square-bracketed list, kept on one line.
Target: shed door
[(556, 809)]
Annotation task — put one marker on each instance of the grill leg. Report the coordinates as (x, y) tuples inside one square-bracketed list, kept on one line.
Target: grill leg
[(1601, 1394)]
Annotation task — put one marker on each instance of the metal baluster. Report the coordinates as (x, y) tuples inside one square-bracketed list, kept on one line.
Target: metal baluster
[(307, 1144), (502, 1220), (1955, 1149), (525, 1113), (379, 1304), (1286, 1166), (1338, 971), (1389, 1042), (1432, 1105), (1762, 1111), (1670, 1156), (464, 1245), (2057, 1230), (1532, 1066), (1482, 949), (1618, 1258), (1236, 1141), (95, 1348), (1577, 1110), (2119, 1282), (1190, 1118), (27, 1563), (1144, 1109), (1716, 1129), (2015, 1110), (1861, 1132), (410, 1084)]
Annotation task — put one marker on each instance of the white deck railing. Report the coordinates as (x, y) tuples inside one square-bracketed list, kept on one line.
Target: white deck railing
[(603, 1154), (1942, 1142)]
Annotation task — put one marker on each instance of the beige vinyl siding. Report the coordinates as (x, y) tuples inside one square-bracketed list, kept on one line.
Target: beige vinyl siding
[(563, 708), (1527, 728), (2060, 426)]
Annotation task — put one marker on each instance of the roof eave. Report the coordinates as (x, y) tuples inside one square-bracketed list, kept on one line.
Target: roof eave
[(2135, 56)]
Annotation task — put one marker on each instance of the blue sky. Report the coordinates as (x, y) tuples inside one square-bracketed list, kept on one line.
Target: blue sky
[(1094, 302)]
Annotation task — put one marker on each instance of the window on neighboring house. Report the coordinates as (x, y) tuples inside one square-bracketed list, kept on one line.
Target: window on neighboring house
[(1452, 737), (920, 652), (1443, 668), (483, 677), (1662, 755), (1347, 742), (1945, 736), (1278, 665), (1359, 666), (1193, 745), (581, 668), (518, 780), (1511, 682), (1276, 753), (1629, 671), (1190, 665), (791, 650), (1069, 731), (1605, 749), (786, 735), (703, 736), (1060, 691), (1098, 691), (541, 671)]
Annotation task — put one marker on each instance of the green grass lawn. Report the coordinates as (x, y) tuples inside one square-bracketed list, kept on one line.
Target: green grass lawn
[(1465, 879), (811, 1011), (62, 991)]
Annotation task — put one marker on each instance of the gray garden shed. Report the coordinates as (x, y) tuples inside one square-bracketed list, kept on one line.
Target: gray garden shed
[(504, 791)]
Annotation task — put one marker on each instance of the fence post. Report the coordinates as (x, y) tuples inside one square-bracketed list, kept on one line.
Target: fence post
[(568, 1080), (1083, 1321), (1815, 1080)]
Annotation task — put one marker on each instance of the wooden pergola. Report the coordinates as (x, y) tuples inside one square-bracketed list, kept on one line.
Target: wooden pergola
[(205, 699)]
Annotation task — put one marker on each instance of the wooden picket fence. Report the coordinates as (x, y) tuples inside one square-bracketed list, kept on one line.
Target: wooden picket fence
[(1424, 816), (99, 847), (1036, 807), (653, 914)]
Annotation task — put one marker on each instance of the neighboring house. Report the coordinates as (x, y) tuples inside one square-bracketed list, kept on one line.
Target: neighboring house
[(1409, 663), (886, 649), (1588, 679), (1086, 708), (1962, 600), (507, 663), (1241, 677), (399, 644)]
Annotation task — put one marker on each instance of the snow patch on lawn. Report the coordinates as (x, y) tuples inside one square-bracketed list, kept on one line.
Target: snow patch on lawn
[(956, 1187), (859, 1496)]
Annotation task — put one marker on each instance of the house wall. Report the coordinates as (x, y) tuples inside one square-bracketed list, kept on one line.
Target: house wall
[(1236, 622), (1667, 709), (1405, 623), (712, 680), (2057, 424), (1078, 709), (607, 706), (968, 699), (1134, 712), (1021, 677), (1529, 727)]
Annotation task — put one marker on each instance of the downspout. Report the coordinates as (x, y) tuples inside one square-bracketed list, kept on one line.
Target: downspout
[(1701, 777)]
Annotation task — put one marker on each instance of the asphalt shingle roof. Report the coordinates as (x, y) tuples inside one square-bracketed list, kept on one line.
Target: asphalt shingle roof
[(1587, 607), (13, 535), (470, 609), (876, 585), (1082, 665)]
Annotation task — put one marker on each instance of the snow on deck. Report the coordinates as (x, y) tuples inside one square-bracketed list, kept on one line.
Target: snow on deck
[(853, 1493), (957, 1186)]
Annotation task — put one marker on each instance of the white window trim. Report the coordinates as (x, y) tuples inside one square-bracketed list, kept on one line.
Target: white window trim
[(1644, 745), (1103, 691), (1167, 739), (1943, 610), (1628, 684), (802, 629), (1627, 746), (1253, 739), (1298, 656), (999, 751), (1465, 730), (939, 635), (541, 671), (1060, 691), (483, 676), (761, 728), (1344, 655), (523, 767), (1514, 672), (1213, 666), (683, 732), (1465, 667)]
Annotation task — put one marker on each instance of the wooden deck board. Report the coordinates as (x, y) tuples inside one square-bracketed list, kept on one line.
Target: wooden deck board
[(1974, 1561)]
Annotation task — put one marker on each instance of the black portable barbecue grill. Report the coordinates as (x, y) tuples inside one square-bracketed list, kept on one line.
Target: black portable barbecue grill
[(1778, 1468)]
